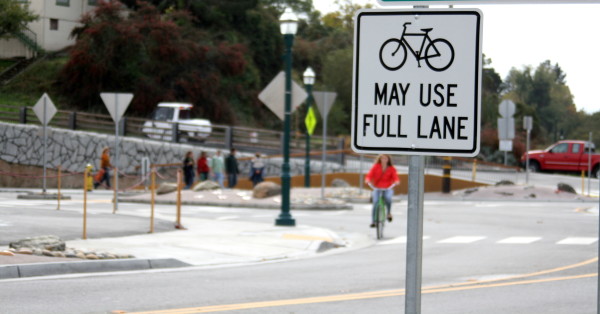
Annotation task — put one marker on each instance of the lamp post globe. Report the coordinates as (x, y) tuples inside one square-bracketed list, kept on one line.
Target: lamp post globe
[(309, 80), (288, 26)]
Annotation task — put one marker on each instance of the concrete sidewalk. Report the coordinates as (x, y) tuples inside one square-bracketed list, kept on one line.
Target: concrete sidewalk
[(204, 242)]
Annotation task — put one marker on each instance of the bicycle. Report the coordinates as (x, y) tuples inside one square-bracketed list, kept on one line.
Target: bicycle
[(438, 54), (380, 211)]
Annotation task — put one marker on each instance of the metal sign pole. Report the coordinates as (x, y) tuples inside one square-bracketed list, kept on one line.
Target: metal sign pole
[(116, 174), (414, 233), (44, 123), (323, 155)]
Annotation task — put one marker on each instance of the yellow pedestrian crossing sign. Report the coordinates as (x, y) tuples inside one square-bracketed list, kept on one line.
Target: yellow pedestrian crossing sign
[(310, 121)]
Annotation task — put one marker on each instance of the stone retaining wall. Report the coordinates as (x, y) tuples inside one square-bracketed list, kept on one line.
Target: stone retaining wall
[(73, 150)]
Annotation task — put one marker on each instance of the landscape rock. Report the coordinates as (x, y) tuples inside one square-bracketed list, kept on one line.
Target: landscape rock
[(48, 242), (563, 187), (504, 183), (91, 256), (266, 189), (24, 251), (340, 183), (166, 187), (206, 185)]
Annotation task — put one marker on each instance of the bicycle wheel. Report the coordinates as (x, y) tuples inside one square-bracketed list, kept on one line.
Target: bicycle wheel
[(392, 54), (380, 222), (439, 55)]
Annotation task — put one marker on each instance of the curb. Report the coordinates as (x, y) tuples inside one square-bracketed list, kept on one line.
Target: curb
[(62, 268), (245, 205)]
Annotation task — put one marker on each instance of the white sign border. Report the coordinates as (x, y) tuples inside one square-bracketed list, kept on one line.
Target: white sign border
[(474, 150), (478, 2)]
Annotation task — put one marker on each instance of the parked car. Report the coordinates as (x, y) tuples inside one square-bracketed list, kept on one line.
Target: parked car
[(568, 155), (169, 113)]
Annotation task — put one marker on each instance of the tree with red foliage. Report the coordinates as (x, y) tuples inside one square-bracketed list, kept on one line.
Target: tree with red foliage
[(156, 57)]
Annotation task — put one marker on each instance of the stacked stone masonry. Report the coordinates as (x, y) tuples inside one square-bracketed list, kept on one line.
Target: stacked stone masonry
[(73, 150)]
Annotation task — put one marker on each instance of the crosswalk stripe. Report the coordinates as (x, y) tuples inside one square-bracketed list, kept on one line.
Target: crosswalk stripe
[(519, 240), (577, 241), (462, 239), (398, 240)]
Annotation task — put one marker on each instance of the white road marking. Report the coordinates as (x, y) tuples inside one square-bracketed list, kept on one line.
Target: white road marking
[(398, 240), (462, 239), (577, 241), (519, 240), (228, 217)]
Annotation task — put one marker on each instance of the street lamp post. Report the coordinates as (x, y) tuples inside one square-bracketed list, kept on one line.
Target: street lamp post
[(288, 27), (309, 80)]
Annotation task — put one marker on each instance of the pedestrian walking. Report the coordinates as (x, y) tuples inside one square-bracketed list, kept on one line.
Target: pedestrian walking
[(256, 170), (103, 174), (188, 169), (217, 166), (202, 167), (231, 168)]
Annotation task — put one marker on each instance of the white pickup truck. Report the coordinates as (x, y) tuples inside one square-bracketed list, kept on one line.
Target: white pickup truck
[(168, 113)]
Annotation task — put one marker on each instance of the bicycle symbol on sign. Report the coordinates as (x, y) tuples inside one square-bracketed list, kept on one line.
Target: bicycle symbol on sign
[(437, 53)]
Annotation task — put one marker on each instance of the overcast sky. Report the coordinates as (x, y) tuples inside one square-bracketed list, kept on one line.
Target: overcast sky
[(521, 35)]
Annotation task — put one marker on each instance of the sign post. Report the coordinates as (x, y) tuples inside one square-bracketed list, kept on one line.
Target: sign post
[(116, 103), (417, 91), (45, 110), (506, 126), (324, 101), (528, 126)]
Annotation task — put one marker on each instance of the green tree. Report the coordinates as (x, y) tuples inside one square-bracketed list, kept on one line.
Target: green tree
[(14, 16), (544, 95)]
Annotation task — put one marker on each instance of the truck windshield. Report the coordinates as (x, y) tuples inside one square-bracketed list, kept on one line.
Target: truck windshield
[(163, 114)]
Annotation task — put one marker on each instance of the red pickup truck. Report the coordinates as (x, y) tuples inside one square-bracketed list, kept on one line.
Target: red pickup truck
[(565, 155)]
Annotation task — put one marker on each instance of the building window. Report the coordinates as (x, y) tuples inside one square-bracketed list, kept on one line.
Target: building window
[(93, 2), (64, 3), (54, 24)]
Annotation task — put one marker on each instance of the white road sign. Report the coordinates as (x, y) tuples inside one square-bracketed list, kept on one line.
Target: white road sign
[(417, 82), (116, 103), (324, 100), (273, 96), (44, 109), (470, 2)]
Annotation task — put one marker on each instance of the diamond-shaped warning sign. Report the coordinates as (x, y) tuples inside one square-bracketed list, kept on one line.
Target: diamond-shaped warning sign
[(310, 121)]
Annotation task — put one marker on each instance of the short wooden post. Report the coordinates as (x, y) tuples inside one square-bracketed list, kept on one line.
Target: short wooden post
[(85, 182), (115, 174), (152, 190), (179, 183), (474, 172), (58, 188)]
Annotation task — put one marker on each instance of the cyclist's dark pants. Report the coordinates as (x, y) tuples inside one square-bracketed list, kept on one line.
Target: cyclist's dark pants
[(387, 196)]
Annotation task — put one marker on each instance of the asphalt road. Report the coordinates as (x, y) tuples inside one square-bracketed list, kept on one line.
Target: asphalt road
[(479, 257)]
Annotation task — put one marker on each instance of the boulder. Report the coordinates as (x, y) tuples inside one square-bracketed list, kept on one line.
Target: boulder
[(206, 185), (504, 183), (563, 187), (266, 189), (49, 242), (166, 187), (340, 183)]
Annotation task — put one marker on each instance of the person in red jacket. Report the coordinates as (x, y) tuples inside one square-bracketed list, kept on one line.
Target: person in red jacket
[(382, 177), (202, 167)]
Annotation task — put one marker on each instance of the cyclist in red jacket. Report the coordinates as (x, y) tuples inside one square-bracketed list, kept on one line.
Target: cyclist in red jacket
[(383, 176)]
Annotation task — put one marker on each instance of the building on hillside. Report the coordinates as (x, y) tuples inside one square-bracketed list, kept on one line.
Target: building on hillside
[(51, 32)]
